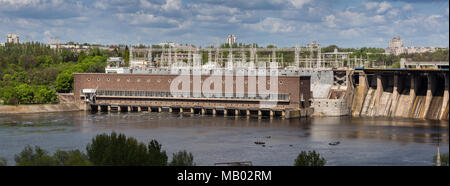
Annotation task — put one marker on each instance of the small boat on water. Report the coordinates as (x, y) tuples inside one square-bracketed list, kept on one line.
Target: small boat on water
[(334, 143), (260, 143)]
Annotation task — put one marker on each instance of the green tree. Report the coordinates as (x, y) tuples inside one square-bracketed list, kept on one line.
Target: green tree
[(157, 157), (3, 162), (117, 149), (9, 95), (43, 94), (34, 157), (71, 158), (24, 94), (310, 158), (444, 159), (182, 158), (64, 82), (81, 57), (44, 61)]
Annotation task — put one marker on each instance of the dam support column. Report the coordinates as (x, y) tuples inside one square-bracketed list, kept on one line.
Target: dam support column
[(360, 94), (395, 95), (445, 99), (378, 94), (430, 80), (412, 95)]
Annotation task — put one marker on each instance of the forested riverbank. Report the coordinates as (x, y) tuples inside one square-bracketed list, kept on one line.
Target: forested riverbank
[(33, 73)]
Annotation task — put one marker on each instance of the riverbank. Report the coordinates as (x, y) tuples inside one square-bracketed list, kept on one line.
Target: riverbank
[(22, 109)]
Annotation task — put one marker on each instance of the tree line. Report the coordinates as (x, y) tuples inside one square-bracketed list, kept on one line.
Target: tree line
[(104, 150), (33, 73), (118, 150)]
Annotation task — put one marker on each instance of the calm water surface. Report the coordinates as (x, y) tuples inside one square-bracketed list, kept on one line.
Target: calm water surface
[(363, 141)]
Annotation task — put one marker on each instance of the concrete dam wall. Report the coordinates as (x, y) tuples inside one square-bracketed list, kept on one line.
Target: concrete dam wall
[(24, 109), (413, 95)]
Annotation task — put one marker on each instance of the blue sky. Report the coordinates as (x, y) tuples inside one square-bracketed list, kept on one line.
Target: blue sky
[(346, 23)]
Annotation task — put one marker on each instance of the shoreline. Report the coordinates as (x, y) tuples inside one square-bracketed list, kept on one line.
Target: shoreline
[(39, 108)]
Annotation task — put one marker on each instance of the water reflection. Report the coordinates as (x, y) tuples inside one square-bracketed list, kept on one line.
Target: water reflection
[(369, 141)]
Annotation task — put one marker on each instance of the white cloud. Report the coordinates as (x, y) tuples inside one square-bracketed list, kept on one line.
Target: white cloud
[(143, 19), (407, 7), (349, 33), (393, 12), (272, 25), (371, 5), (329, 21), (172, 5), (377, 19), (383, 6), (299, 3)]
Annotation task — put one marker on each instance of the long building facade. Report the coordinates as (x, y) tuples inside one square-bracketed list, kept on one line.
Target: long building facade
[(238, 93)]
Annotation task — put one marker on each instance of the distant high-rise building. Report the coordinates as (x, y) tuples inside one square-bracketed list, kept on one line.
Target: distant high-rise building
[(12, 38), (396, 42), (396, 47), (231, 39)]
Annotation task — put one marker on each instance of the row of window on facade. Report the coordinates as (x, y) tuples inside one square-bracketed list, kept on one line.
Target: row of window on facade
[(192, 95), (169, 80)]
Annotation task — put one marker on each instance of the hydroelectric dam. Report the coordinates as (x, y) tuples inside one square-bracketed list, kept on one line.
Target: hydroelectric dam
[(313, 84)]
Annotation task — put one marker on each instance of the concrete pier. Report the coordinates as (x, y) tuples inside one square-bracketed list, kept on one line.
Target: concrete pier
[(445, 100), (429, 97), (260, 113)]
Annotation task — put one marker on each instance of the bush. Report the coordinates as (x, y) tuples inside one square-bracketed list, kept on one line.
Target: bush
[(64, 82), (40, 157), (33, 157), (71, 158), (182, 158), (3, 162), (157, 157), (310, 158), (24, 94), (119, 150)]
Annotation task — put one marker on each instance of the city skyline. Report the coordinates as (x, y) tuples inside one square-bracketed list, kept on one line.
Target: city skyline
[(280, 22)]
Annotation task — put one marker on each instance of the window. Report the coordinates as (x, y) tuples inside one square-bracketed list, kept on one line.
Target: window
[(89, 79)]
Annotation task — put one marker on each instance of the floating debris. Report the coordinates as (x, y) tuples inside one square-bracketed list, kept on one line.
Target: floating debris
[(291, 145), (334, 143), (263, 145), (244, 163)]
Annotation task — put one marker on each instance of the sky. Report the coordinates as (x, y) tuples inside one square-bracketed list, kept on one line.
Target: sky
[(285, 23)]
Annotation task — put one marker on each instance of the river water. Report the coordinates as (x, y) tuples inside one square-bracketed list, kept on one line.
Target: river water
[(363, 141)]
